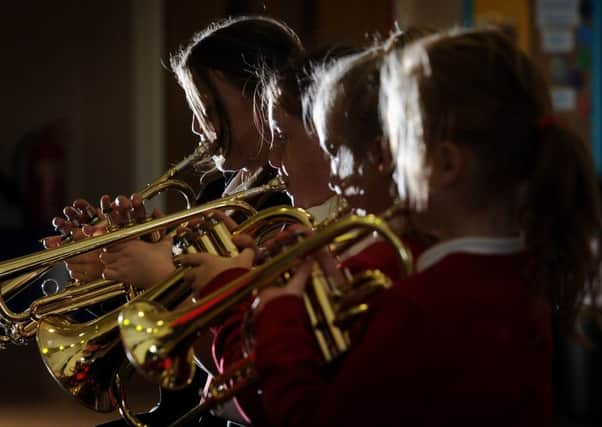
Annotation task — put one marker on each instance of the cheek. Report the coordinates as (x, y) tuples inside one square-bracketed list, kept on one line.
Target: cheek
[(295, 158)]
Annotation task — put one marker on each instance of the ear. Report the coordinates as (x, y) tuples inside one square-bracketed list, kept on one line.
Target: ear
[(447, 161)]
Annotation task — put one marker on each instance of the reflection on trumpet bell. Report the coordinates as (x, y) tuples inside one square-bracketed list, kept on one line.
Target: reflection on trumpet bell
[(170, 346), (146, 333), (146, 329), (82, 359)]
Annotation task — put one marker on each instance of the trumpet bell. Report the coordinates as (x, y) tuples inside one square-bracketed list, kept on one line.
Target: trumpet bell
[(82, 360), (146, 333)]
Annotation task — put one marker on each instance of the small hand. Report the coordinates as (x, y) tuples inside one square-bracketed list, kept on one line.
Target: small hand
[(294, 287), (83, 268), (298, 282), (137, 262), (208, 266)]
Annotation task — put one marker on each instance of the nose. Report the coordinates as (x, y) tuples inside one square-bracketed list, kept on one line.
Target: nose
[(196, 127)]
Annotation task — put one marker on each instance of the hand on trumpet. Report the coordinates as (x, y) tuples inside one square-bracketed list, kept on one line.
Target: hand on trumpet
[(82, 268), (208, 266), (136, 261), (297, 283)]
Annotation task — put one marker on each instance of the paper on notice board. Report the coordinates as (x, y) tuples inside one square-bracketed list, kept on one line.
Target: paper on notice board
[(564, 99), (557, 41), (557, 13)]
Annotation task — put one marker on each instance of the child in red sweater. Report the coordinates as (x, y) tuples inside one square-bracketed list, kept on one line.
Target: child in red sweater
[(511, 196)]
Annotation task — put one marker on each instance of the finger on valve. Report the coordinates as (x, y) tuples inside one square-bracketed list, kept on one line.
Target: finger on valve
[(124, 209), (89, 212), (223, 217), (74, 216), (245, 241), (139, 211), (109, 213), (62, 226)]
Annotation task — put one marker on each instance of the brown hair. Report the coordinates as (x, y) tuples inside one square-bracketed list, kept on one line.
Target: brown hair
[(476, 89), (342, 104), (286, 88), (237, 48)]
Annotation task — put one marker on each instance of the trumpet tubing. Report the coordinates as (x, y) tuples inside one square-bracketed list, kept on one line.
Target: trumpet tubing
[(49, 257), (167, 180), (41, 261), (84, 358), (158, 342)]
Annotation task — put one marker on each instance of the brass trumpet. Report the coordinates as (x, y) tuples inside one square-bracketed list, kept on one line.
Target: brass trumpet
[(49, 257), (84, 358), (13, 322), (19, 327), (158, 342)]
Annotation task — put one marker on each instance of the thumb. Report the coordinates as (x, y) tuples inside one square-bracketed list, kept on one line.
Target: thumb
[(247, 256), (193, 260), (244, 241)]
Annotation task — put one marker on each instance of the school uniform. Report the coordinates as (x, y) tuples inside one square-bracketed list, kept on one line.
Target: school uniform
[(173, 404), (227, 339), (463, 342)]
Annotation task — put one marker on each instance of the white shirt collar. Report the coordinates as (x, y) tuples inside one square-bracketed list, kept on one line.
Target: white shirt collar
[(472, 245), (325, 209)]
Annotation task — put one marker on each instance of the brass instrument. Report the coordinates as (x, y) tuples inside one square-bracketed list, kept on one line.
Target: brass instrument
[(49, 257), (46, 258), (84, 358), (158, 342), (17, 331)]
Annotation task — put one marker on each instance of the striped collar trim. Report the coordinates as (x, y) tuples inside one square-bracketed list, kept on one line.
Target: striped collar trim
[(471, 245)]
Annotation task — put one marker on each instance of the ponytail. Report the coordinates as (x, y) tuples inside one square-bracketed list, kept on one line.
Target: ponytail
[(561, 222), (475, 88)]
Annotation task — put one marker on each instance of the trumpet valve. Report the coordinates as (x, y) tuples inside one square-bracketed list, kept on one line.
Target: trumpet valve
[(154, 236), (111, 226), (129, 219)]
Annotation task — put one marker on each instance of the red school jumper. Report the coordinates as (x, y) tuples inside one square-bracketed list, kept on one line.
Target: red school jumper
[(227, 347), (460, 343)]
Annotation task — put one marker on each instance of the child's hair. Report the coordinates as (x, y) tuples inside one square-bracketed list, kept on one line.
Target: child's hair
[(341, 106), (286, 87), (477, 89), (236, 48)]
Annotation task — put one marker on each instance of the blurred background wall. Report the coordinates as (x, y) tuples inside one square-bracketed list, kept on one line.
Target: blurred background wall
[(89, 107)]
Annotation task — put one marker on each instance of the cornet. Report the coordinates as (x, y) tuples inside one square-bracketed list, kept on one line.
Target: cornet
[(158, 343), (84, 358), (19, 326), (23, 325)]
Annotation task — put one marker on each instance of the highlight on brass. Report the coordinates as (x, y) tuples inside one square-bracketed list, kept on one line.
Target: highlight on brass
[(159, 343), (337, 212), (84, 358), (19, 327)]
